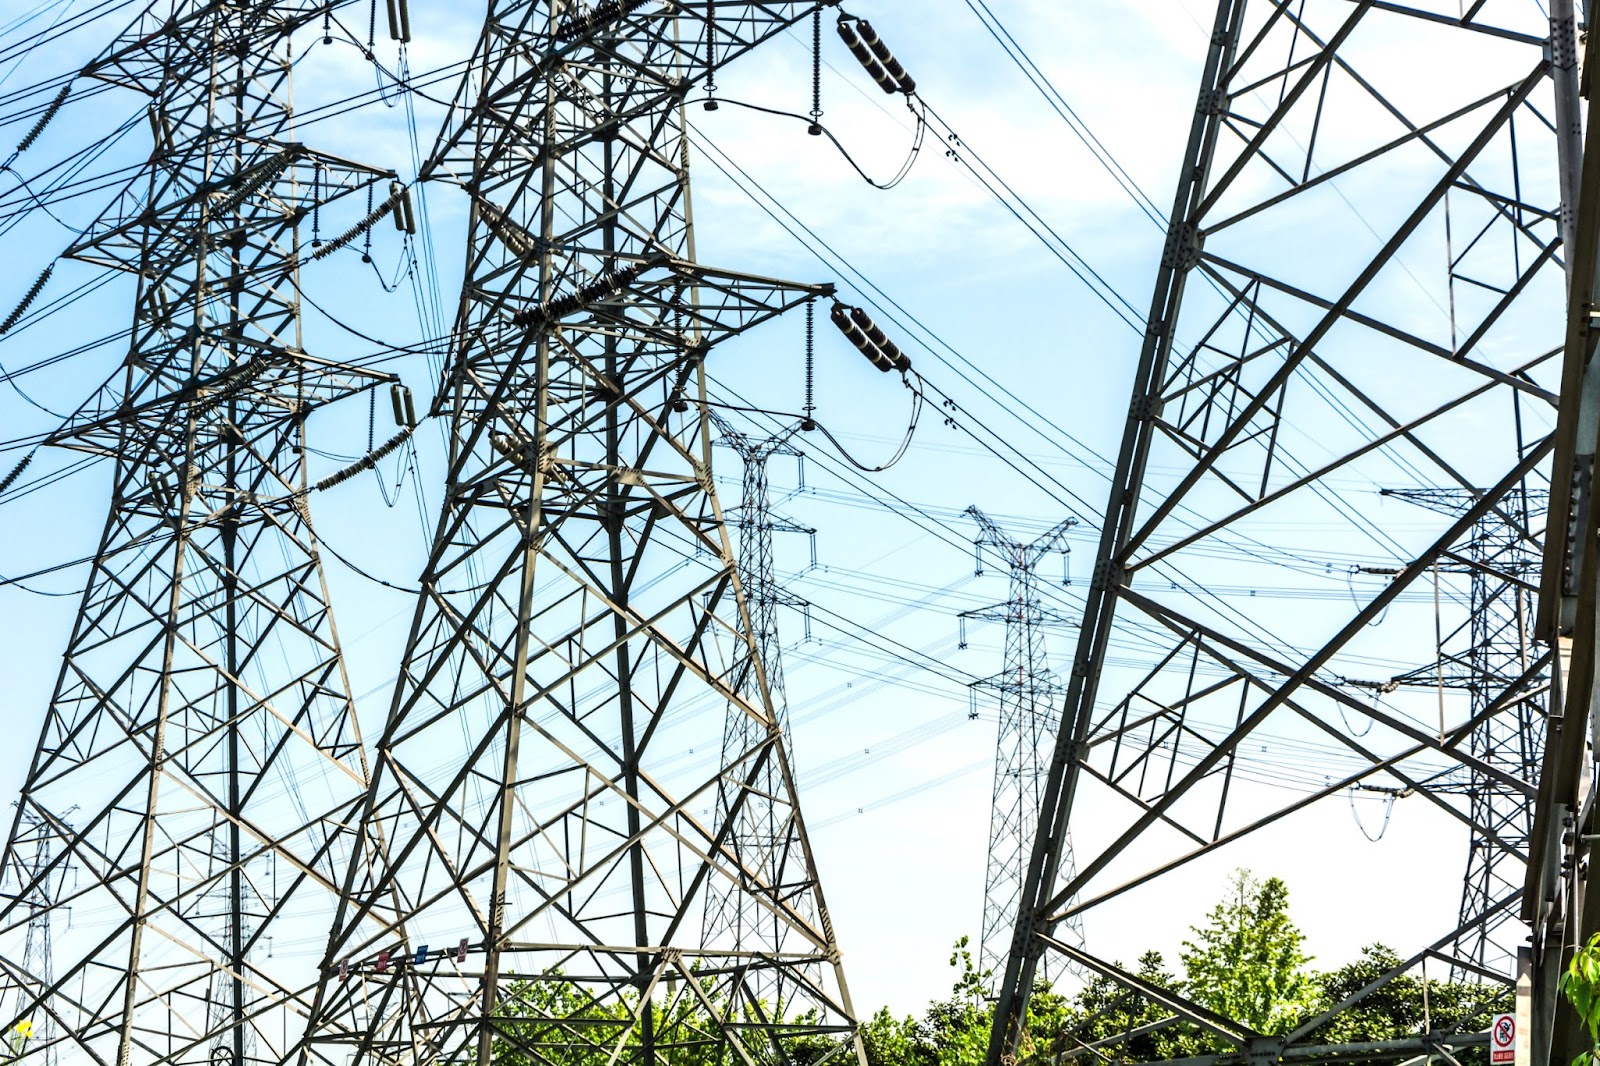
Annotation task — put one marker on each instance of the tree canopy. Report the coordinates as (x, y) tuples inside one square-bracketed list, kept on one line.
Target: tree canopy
[(1246, 961)]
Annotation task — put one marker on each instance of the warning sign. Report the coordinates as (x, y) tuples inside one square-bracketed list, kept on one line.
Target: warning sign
[(1502, 1040)]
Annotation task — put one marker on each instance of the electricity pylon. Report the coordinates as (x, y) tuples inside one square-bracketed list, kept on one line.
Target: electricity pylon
[(546, 874), (1028, 692), (35, 843), (201, 723), (758, 835), (1501, 559), (1356, 280)]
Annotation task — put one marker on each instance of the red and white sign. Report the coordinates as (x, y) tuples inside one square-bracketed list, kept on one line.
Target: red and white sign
[(1502, 1040)]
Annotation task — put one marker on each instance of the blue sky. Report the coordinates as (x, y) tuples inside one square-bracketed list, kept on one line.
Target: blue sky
[(894, 773)]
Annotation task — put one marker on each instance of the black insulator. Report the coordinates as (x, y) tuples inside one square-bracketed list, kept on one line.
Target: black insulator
[(33, 292), (859, 49), (902, 362), (869, 327), (16, 472), (367, 462), (880, 339), (519, 241), (571, 28), (44, 119), (858, 337), (399, 21), (252, 180), (870, 38), (608, 284), (372, 219)]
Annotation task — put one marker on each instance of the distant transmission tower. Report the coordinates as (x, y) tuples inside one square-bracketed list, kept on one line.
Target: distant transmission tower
[(547, 874), (1030, 697), (757, 832), (1502, 665), (201, 722), (37, 842)]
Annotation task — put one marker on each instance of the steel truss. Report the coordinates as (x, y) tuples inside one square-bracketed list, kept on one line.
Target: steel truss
[(199, 767), (549, 865), (1027, 689), (1360, 283)]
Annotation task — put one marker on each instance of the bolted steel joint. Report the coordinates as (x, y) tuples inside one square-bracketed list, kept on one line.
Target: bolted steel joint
[(1183, 247)]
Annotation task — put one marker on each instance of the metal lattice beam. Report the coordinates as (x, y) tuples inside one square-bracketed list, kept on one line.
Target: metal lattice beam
[(1356, 282)]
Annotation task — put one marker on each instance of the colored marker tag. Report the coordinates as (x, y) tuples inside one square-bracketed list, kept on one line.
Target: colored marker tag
[(344, 970), (461, 950), (421, 956), (383, 962)]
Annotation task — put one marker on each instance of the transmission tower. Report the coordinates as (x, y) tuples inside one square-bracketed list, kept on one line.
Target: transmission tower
[(758, 834), (1355, 281), (1029, 693), (201, 726), (1501, 559), (547, 872), (37, 841)]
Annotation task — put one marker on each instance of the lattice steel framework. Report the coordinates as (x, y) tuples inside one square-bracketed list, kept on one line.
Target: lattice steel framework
[(1362, 282), (1028, 692), (36, 841), (547, 870), (759, 833), (201, 725)]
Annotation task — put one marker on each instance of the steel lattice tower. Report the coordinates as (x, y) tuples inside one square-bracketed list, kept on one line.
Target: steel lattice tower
[(1501, 558), (1357, 281), (201, 726), (1028, 692), (36, 842), (758, 835), (547, 874)]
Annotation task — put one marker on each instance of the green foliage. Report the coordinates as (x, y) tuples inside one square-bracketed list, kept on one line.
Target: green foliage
[(1581, 985), (1248, 962), (1403, 1007), (1105, 1013)]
